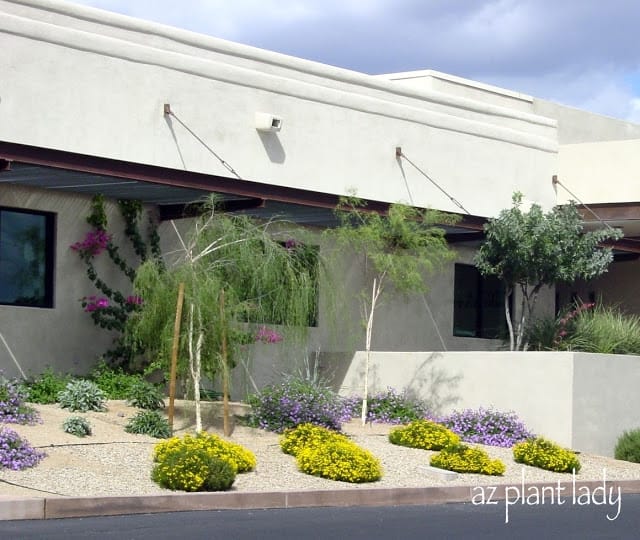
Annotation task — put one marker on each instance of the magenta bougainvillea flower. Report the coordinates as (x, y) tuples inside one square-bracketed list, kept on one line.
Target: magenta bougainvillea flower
[(94, 243), (93, 303), (267, 335)]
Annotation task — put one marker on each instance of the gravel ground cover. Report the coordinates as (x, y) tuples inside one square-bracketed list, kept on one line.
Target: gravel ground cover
[(113, 462)]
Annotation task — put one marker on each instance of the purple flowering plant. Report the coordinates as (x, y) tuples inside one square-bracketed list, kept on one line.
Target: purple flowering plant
[(94, 243), (389, 407), (297, 401), (267, 335), (487, 426), (13, 410), (16, 453)]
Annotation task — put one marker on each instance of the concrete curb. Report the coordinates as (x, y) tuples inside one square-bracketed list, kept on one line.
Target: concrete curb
[(66, 507)]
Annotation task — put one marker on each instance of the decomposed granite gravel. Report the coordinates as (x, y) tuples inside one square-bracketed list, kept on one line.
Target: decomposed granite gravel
[(113, 462)]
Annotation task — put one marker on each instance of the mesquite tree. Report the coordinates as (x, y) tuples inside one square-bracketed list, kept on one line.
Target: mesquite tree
[(530, 250), (399, 247), (262, 280)]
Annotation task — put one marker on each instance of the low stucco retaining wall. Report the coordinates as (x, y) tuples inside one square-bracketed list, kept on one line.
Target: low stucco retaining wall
[(581, 400)]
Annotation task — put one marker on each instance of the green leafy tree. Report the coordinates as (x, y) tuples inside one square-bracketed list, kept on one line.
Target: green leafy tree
[(261, 279), (400, 248), (530, 250)]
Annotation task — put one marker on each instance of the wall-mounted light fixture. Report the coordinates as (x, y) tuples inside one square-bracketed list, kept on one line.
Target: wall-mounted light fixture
[(268, 122)]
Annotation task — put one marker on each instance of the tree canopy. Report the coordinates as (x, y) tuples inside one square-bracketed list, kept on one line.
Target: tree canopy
[(530, 250)]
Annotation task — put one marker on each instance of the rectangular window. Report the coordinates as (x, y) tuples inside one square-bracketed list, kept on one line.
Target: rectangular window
[(478, 304), (26, 257)]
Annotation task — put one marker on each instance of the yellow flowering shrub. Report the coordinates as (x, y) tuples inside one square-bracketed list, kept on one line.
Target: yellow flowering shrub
[(467, 459), (193, 469), (240, 459), (540, 452), (423, 434), (295, 439), (339, 460)]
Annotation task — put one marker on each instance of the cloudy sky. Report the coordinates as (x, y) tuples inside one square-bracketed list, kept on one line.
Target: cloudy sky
[(583, 53)]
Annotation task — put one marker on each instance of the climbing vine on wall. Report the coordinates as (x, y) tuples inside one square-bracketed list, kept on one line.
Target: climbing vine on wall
[(110, 309)]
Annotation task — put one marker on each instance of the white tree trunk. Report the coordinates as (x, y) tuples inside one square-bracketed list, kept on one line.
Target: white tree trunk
[(375, 293), (194, 363)]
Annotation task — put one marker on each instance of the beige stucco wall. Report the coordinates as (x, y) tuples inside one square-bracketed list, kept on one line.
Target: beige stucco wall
[(580, 400), (340, 128), (64, 336), (601, 172)]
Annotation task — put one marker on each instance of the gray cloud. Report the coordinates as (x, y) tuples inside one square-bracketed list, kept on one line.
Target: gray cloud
[(583, 53)]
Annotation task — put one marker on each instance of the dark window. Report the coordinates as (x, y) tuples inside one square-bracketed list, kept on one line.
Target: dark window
[(26, 257), (478, 304)]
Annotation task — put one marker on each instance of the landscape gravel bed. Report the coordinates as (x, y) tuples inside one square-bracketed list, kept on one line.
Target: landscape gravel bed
[(113, 462)]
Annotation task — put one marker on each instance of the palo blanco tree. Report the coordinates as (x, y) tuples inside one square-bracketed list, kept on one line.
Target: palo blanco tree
[(237, 277), (530, 250), (400, 248)]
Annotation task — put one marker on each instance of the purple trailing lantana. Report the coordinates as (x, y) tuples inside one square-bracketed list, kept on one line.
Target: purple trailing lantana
[(12, 407), (488, 426), (16, 453)]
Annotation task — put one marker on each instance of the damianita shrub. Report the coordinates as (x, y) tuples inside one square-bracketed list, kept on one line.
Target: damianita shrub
[(12, 407), (240, 459), (487, 426), (296, 401), (16, 453), (45, 387), (149, 423), (82, 395), (339, 460), (467, 459), (297, 438), (546, 455), (322, 452), (144, 395), (628, 446), (77, 425), (389, 407), (193, 469), (423, 434)]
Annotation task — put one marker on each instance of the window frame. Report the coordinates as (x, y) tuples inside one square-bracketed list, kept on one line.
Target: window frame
[(50, 223), (479, 288)]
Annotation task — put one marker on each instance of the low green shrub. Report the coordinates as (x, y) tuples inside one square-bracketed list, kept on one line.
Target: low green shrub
[(628, 446), (144, 395), (467, 459), (544, 454), (240, 459), (77, 425), (295, 439), (82, 395), (114, 382), (149, 423), (193, 469), (44, 388), (340, 460), (423, 434)]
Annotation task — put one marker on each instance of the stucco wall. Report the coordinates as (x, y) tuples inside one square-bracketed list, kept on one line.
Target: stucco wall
[(63, 336), (340, 128), (583, 401), (601, 172)]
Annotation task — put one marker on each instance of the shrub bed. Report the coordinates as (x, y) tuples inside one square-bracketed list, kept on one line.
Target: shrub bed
[(628, 446), (423, 434), (546, 455), (328, 454), (488, 426), (467, 459)]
